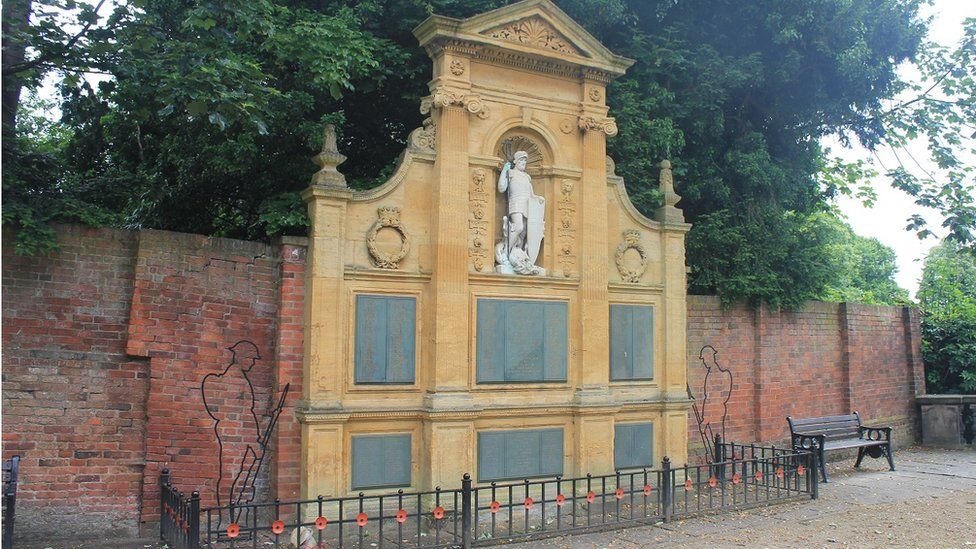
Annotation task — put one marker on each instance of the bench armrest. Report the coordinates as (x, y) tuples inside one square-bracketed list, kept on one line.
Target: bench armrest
[(875, 433), (808, 442)]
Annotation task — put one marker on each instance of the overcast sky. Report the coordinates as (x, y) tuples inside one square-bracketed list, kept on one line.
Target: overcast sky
[(886, 220)]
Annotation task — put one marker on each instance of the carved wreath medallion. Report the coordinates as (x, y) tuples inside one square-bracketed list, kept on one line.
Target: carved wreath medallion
[(631, 242), (388, 217), (457, 67)]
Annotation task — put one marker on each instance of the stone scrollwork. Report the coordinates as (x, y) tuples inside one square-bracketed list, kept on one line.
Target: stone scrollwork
[(425, 137), (444, 96), (631, 241), (387, 217), (592, 123)]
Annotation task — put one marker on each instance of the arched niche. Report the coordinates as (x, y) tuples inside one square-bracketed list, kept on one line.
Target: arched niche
[(541, 157)]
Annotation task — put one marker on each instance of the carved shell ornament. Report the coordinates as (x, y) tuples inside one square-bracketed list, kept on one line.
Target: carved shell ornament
[(388, 217), (631, 242), (522, 143), (536, 32)]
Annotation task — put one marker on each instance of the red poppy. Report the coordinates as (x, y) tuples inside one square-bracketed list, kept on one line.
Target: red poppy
[(736, 478), (801, 469), (590, 496), (438, 512), (688, 484), (320, 523), (779, 472), (620, 493), (712, 482), (527, 503), (233, 530), (401, 516), (758, 476), (494, 506), (362, 519), (647, 489), (278, 526)]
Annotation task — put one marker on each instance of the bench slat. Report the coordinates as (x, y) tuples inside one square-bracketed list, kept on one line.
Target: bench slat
[(825, 419), (852, 443), (834, 429)]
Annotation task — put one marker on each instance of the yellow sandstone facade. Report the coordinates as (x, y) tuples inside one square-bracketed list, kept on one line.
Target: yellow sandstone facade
[(401, 275)]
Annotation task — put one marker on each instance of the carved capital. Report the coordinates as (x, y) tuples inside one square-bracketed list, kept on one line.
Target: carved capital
[(592, 123), (444, 96)]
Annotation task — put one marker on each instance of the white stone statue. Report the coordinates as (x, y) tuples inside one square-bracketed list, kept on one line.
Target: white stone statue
[(523, 226)]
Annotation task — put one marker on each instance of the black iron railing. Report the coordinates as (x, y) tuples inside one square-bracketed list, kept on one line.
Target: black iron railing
[(11, 469), (745, 476)]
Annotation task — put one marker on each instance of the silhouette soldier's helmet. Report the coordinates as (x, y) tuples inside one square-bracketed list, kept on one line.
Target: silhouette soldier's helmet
[(244, 350)]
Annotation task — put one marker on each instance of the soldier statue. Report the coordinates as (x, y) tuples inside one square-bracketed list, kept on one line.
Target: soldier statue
[(523, 224)]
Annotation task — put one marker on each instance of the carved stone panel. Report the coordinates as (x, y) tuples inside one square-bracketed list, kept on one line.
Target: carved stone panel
[(478, 222), (566, 228)]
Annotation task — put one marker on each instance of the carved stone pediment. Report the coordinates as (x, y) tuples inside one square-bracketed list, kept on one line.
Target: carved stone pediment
[(536, 32)]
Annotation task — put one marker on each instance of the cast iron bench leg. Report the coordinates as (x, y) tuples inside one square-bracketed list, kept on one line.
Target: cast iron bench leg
[(891, 460), (823, 468), (860, 456)]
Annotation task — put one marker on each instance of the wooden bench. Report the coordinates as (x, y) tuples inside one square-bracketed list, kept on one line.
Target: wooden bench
[(840, 432)]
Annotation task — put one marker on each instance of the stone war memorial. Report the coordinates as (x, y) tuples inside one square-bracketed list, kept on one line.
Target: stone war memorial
[(498, 307), (492, 344)]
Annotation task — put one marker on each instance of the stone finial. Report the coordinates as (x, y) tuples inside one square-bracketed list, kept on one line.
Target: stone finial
[(668, 213), (328, 160)]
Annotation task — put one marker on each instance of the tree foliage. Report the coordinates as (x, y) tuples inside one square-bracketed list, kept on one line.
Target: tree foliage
[(214, 109), (947, 296), (864, 270)]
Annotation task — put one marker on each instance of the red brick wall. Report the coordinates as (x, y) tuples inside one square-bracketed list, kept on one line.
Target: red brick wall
[(824, 359), (74, 405), (105, 345)]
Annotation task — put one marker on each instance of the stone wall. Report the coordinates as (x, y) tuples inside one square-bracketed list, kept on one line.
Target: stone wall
[(106, 342), (825, 359)]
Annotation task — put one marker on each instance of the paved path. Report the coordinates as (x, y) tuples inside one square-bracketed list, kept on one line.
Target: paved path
[(929, 501)]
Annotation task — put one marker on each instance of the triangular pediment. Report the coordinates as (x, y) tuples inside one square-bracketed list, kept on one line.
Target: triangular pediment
[(535, 32), (533, 27)]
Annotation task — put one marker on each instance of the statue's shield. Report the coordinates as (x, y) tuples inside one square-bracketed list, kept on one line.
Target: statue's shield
[(536, 226)]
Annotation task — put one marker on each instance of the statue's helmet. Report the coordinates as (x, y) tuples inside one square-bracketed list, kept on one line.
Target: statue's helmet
[(244, 350), (520, 155)]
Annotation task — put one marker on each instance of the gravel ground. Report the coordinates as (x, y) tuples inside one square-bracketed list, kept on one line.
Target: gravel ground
[(929, 502)]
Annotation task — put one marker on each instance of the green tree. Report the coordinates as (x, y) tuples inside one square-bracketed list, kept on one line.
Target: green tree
[(947, 295), (214, 109), (864, 270)]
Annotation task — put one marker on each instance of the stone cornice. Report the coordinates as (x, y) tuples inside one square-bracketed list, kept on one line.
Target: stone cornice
[(312, 416)]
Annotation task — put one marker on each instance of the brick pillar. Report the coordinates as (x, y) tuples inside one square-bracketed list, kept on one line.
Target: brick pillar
[(286, 463)]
